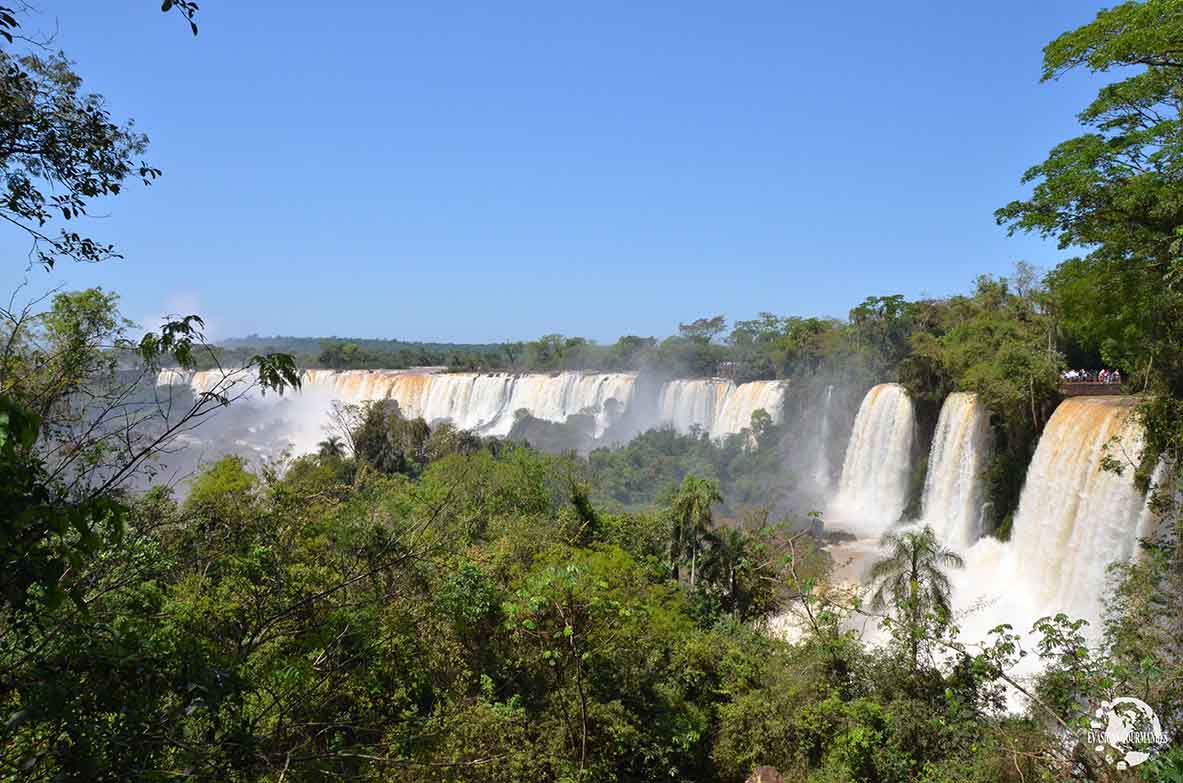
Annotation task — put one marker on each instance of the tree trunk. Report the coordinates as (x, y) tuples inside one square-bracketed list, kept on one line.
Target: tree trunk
[(734, 594), (914, 631), (676, 553), (1034, 418)]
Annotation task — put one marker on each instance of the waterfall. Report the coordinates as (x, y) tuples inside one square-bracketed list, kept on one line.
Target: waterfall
[(686, 404), (821, 465), (953, 487), (874, 487), (488, 402), (483, 402), (173, 377), (1074, 518), (467, 400), (556, 397), (718, 406), (206, 381), (742, 401), (357, 386), (1150, 519)]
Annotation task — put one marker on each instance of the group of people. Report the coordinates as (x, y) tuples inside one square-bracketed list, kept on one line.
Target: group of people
[(1091, 376)]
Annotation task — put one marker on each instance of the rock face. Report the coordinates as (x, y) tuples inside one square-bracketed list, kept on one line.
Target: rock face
[(765, 775)]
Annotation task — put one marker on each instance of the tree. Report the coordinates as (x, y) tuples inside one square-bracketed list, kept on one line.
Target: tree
[(81, 420), (629, 352), (49, 354), (61, 151), (910, 581), (996, 343), (585, 629), (513, 353), (331, 447), (881, 327), (554, 352), (772, 346), (691, 509), (331, 354), (754, 344), (186, 8), (1117, 191), (703, 330), (382, 438), (728, 562)]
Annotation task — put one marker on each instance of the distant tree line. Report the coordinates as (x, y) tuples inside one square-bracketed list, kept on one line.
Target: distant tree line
[(875, 339)]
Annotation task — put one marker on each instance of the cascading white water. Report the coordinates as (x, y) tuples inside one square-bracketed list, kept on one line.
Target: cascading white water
[(222, 382), (556, 397), (484, 402), (357, 386), (744, 400), (874, 487), (173, 377), (488, 402), (470, 402), (1074, 518), (821, 466), (1151, 518), (953, 487), (718, 406), (686, 404)]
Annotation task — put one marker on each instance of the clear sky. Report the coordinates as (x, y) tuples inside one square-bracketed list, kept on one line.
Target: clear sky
[(483, 171)]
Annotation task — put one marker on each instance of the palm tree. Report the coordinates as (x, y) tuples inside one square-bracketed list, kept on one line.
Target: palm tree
[(722, 563), (691, 510), (331, 447), (911, 579)]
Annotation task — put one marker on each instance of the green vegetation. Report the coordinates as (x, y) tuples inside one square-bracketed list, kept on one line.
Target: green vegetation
[(651, 467), (418, 604), (360, 353), (911, 580), (461, 610)]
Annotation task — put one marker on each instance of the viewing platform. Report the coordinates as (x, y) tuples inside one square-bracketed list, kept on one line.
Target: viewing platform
[(1089, 388)]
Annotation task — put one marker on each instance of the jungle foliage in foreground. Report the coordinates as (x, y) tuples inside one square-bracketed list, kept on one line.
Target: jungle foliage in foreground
[(465, 613)]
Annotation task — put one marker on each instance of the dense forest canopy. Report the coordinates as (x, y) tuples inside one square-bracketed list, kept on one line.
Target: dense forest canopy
[(415, 602)]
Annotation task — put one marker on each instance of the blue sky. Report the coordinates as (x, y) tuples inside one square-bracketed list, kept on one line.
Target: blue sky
[(472, 171)]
